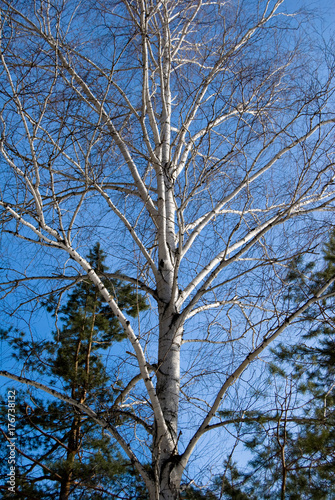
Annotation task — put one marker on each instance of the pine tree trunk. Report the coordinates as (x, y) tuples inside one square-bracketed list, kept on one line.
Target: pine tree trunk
[(65, 487), (71, 455)]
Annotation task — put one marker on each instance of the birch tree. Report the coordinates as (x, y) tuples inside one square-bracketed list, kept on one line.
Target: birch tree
[(195, 140)]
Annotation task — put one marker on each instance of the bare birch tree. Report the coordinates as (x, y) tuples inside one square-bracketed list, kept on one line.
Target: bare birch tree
[(195, 139)]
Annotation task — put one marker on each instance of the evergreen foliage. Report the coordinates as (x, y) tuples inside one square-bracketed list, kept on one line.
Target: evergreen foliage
[(65, 454), (293, 446)]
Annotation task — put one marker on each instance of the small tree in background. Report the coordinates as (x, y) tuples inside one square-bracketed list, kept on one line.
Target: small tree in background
[(293, 445), (64, 453)]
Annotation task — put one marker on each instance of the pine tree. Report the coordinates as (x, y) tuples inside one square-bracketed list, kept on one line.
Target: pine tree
[(294, 449), (65, 454)]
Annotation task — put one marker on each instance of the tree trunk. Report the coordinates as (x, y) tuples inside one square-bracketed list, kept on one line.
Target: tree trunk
[(165, 450), (66, 481), (71, 455), (168, 383)]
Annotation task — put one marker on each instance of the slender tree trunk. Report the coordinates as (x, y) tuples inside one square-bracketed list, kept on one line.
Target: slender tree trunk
[(67, 476), (73, 441), (168, 384), (168, 375)]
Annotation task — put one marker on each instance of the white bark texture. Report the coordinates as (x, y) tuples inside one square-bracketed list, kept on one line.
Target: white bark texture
[(195, 141)]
